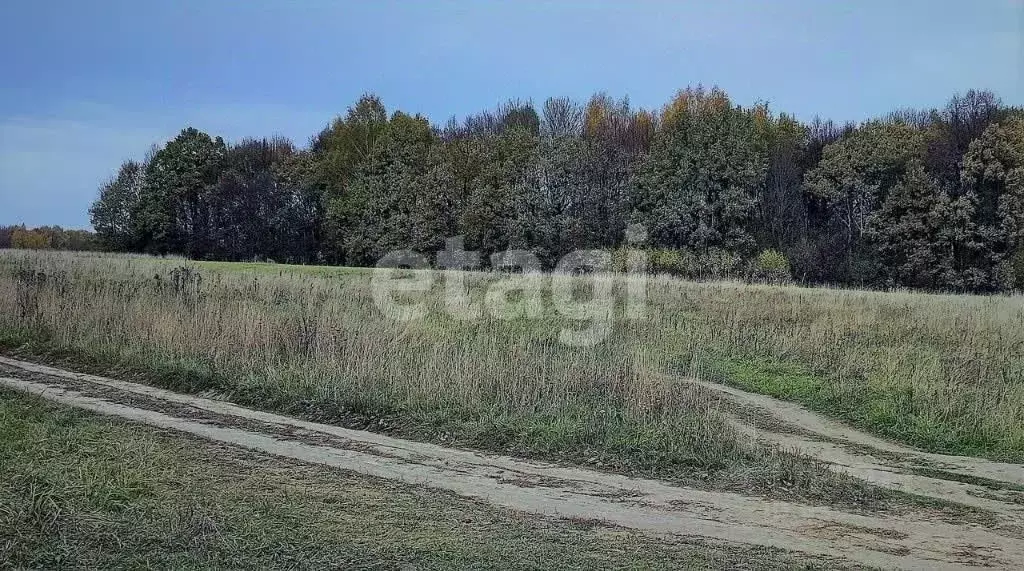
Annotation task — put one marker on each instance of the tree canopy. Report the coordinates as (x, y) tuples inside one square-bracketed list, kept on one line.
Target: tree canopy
[(930, 199)]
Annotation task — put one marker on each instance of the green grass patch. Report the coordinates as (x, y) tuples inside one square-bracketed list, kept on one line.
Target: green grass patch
[(892, 412), (779, 379)]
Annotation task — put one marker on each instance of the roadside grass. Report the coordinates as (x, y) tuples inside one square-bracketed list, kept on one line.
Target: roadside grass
[(941, 372), (82, 491), (699, 449)]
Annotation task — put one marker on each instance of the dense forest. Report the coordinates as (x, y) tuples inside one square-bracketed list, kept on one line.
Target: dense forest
[(930, 199)]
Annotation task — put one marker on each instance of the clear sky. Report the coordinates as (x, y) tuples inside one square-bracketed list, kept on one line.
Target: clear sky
[(86, 85)]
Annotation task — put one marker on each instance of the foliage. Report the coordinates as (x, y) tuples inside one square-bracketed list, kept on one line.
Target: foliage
[(853, 178), (258, 209), (47, 238), (1016, 269), (915, 233), (713, 264), (173, 214), (771, 266), (930, 199), (993, 184), (30, 240), (113, 213), (697, 187), (380, 208)]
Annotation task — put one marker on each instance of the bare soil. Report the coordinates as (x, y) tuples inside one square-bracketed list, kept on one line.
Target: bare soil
[(911, 541)]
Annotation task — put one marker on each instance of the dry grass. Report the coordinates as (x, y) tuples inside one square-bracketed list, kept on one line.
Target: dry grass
[(943, 372)]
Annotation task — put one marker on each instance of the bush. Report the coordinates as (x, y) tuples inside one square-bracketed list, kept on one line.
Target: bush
[(711, 265), (714, 264), (665, 262), (30, 240), (771, 266)]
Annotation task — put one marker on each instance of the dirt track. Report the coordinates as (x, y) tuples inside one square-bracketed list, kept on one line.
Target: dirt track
[(812, 422), (912, 541)]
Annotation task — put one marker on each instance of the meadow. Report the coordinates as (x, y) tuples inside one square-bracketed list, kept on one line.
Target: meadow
[(942, 372)]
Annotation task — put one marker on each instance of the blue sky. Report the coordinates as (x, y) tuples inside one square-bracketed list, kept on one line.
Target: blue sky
[(86, 85)]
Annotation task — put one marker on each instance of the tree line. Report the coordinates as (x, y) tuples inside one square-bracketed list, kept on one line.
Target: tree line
[(47, 238), (930, 199)]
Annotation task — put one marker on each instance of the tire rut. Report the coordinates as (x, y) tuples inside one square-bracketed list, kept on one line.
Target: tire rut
[(886, 473), (830, 430), (911, 541)]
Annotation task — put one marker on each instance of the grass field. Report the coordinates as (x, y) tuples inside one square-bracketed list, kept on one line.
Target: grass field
[(945, 373), (82, 491)]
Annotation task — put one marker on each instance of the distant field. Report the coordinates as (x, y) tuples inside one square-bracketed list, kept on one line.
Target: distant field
[(269, 268), (945, 373), (254, 267)]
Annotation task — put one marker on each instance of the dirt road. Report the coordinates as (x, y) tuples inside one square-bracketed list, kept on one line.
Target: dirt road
[(824, 428), (911, 541)]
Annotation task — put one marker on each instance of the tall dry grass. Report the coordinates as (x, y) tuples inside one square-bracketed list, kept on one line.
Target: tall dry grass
[(943, 372)]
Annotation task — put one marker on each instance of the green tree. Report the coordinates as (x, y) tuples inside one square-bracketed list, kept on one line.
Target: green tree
[(993, 180), (914, 233), (174, 212), (618, 139), (498, 212), (781, 219), (338, 153), (300, 218), (255, 211), (378, 208), (925, 198), (58, 238), (853, 178), (114, 211), (698, 187), (566, 197), (520, 115), (26, 239), (951, 130), (6, 235)]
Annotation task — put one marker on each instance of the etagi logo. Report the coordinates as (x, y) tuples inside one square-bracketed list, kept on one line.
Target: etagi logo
[(582, 287)]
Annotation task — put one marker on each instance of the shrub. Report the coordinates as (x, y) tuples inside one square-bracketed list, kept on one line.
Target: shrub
[(665, 262), (711, 265), (29, 240), (770, 266), (714, 264)]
